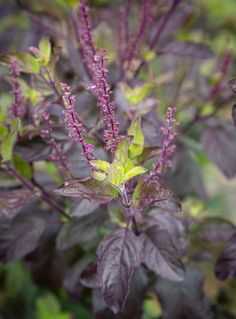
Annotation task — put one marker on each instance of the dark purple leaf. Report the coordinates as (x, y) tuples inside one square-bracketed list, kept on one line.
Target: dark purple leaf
[(12, 202), (88, 276), (234, 114), (89, 189), (185, 180), (191, 49), (84, 207), (118, 256), (160, 254), (215, 229), (20, 237), (185, 299), (225, 267), (133, 307), (172, 224), (156, 194), (232, 84), (80, 230), (219, 144)]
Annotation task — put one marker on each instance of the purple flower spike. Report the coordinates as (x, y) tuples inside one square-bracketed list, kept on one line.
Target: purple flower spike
[(168, 149), (74, 125), (101, 90), (16, 108)]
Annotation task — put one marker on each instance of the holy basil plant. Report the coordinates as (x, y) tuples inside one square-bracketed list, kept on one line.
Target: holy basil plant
[(98, 157)]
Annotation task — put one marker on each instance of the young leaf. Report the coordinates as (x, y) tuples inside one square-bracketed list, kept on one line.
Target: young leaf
[(225, 267), (8, 143), (160, 255), (135, 130), (137, 170), (118, 256), (48, 307), (115, 174), (90, 189), (154, 193), (26, 62), (102, 165), (45, 50), (22, 167), (138, 94), (121, 154)]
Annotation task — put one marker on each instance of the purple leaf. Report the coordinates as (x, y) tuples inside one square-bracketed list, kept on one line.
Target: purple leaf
[(118, 256), (232, 84), (185, 299), (80, 230), (84, 207), (89, 189), (215, 229), (234, 114), (172, 224), (12, 202), (160, 255), (21, 237), (191, 49), (153, 193), (219, 143), (225, 267), (88, 276)]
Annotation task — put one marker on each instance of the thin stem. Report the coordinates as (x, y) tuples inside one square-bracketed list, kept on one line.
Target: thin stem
[(35, 188)]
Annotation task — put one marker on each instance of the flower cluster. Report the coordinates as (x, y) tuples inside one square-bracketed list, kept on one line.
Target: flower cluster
[(86, 36), (168, 148), (16, 108), (73, 124), (101, 90), (58, 157)]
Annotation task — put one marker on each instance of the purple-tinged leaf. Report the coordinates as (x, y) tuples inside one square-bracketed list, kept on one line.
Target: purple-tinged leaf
[(118, 256), (232, 84), (172, 224), (80, 230), (156, 194), (88, 276), (219, 143), (20, 237), (160, 254), (133, 307), (215, 229), (234, 114), (12, 202), (89, 189), (225, 267), (84, 207), (190, 49), (185, 299)]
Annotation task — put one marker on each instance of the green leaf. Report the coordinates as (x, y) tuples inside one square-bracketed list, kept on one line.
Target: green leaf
[(102, 165), (8, 143), (3, 115), (138, 170), (115, 174), (22, 167), (48, 307), (121, 154), (99, 176), (138, 94), (3, 131), (45, 50), (26, 62), (135, 130)]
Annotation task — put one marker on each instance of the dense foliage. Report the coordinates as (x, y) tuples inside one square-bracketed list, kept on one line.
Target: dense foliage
[(117, 149)]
